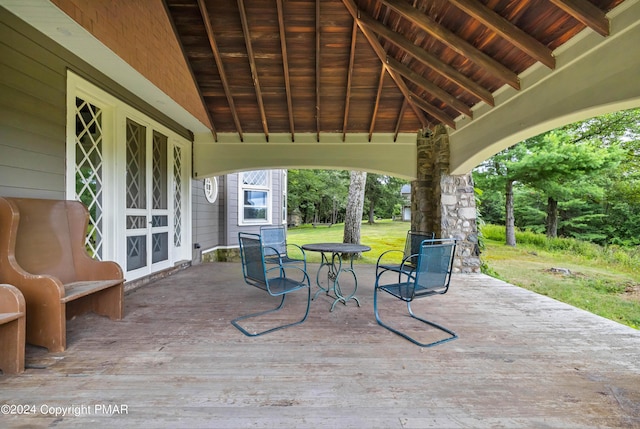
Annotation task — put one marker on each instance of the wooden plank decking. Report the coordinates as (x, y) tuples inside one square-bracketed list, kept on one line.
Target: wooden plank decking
[(175, 361)]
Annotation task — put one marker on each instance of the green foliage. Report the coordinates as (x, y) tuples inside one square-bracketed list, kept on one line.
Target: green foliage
[(614, 255), (590, 168)]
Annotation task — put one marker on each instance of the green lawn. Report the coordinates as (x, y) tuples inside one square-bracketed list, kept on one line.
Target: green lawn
[(381, 236), (609, 291)]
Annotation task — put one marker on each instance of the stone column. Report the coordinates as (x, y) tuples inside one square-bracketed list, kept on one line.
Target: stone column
[(443, 203)]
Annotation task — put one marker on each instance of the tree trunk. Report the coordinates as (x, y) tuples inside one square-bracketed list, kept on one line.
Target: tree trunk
[(371, 213), (510, 228), (355, 204), (552, 218)]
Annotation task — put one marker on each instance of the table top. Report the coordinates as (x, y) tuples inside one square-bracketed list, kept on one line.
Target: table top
[(336, 247)]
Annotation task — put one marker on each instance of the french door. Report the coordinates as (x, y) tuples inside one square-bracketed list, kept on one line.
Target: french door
[(132, 173), (151, 220)]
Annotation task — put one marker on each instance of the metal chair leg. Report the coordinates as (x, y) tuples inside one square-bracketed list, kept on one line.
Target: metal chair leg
[(235, 321), (452, 334)]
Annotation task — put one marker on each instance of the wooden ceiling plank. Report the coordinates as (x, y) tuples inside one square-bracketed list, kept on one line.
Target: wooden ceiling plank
[(254, 69), (285, 66), (455, 42), (352, 56), (429, 87), (377, 104), (427, 59), (216, 55), (318, 69), (433, 111), (379, 50), (587, 13), (507, 30)]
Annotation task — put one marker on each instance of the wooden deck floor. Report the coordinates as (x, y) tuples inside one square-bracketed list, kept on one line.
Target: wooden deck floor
[(175, 361)]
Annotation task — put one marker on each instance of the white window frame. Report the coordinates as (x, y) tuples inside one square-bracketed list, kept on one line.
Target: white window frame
[(267, 188)]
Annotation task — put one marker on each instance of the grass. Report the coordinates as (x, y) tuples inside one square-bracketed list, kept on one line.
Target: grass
[(381, 236), (603, 281)]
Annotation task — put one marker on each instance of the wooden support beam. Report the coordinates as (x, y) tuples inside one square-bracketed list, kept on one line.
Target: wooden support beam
[(587, 13), (427, 59), (318, 69), (352, 56), (379, 50), (507, 30), (374, 115), (252, 64), (429, 87), (399, 120), (455, 42), (223, 76), (285, 65)]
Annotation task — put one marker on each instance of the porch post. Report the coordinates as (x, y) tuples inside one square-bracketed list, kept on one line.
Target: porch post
[(443, 203)]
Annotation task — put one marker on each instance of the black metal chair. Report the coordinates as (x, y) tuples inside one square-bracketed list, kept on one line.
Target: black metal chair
[(431, 276), (276, 248), (274, 280), (409, 254)]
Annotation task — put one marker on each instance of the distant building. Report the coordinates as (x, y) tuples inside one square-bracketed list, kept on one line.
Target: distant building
[(405, 191)]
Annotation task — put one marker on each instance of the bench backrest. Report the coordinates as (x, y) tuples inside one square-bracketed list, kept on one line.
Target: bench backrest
[(50, 236)]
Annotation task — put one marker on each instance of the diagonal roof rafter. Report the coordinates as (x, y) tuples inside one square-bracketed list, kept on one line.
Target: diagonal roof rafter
[(285, 68), (382, 55), (507, 30), (427, 59), (252, 65), (352, 56), (456, 43), (587, 13), (220, 65), (374, 114)]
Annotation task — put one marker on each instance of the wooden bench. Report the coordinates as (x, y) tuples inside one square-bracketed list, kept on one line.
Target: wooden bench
[(43, 254), (12, 326)]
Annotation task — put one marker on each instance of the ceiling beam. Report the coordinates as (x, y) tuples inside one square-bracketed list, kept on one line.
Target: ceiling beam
[(443, 69), (374, 115), (587, 13), (285, 66), (252, 64), (379, 50), (216, 55), (507, 30), (318, 69), (455, 42), (399, 120), (429, 87), (433, 111), (352, 56)]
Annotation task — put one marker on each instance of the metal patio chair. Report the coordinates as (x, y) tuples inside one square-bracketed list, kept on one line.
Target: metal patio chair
[(409, 254), (276, 248), (275, 280), (431, 276)]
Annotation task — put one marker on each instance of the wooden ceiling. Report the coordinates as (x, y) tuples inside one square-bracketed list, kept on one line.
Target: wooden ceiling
[(366, 66)]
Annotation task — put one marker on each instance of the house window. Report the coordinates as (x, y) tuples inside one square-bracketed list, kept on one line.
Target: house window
[(211, 189), (255, 195)]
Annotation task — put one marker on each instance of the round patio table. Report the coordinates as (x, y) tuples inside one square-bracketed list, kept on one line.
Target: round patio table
[(333, 267)]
